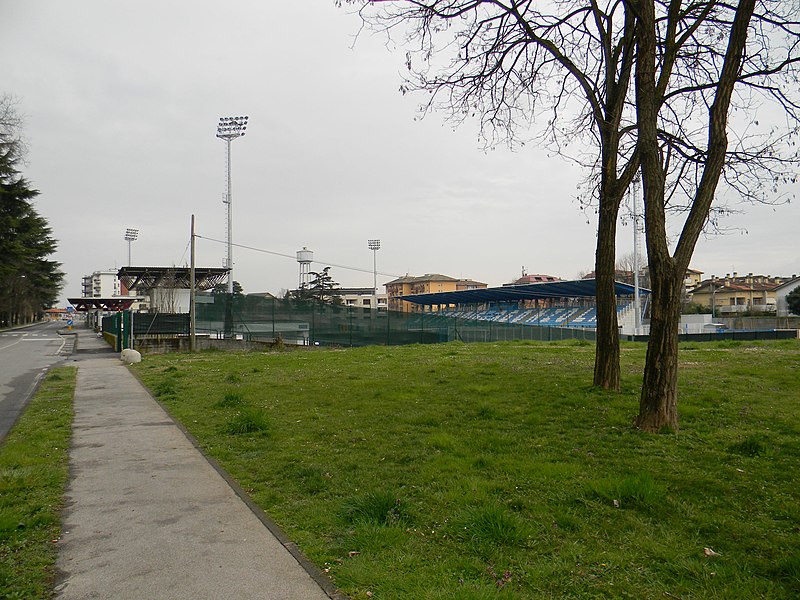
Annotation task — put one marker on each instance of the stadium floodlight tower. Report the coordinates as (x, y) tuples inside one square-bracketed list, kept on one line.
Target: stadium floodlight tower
[(130, 236), (374, 245), (228, 129)]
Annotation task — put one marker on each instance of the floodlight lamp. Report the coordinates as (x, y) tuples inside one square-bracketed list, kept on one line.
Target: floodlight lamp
[(231, 127), (374, 244), (131, 235)]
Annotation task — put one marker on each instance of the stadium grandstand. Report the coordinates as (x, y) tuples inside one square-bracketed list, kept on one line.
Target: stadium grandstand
[(570, 304)]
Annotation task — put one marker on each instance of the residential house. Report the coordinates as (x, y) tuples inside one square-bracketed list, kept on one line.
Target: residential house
[(736, 294), (692, 279), (783, 290), (535, 278)]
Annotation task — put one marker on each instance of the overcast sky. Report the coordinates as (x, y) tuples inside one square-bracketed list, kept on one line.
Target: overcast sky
[(121, 103)]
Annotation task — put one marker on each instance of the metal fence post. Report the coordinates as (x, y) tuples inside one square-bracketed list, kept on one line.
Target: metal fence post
[(118, 331)]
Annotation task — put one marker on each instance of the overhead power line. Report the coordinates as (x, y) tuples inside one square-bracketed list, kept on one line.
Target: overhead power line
[(293, 257)]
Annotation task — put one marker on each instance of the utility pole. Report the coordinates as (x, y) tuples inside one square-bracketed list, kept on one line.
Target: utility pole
[(192, 317), (374, 245)]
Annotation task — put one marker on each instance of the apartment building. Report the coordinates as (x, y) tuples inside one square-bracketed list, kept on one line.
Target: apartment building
[(424, 284), (101, 284), (362, 298)]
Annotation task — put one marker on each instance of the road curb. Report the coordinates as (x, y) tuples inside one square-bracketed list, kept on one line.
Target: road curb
[(309, 567)]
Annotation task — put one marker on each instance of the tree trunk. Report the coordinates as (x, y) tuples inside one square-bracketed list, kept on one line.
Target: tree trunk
[(658, 405), (606, 361)]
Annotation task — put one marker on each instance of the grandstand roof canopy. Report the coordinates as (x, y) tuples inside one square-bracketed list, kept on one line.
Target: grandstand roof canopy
[(147, 278), (581, 288)]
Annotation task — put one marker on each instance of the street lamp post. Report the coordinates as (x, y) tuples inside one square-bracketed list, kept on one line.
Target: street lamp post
[(130, 236), (374, 245)]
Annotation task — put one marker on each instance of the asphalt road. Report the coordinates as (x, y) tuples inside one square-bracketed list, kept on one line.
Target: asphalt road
[(25, 356)]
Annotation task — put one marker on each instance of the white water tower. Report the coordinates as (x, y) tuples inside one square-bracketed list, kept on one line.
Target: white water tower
[(305, 257)]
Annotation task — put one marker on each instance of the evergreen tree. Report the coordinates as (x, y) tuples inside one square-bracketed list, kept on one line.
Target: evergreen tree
[(793, 300), (322, 286), (29, 281)]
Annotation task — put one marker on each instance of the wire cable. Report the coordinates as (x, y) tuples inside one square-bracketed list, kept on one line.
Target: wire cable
[(293, 257)]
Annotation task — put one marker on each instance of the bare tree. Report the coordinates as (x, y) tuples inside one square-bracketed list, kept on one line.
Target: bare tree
[(626, 266), (695, 64), (564, 68), (12, 146)]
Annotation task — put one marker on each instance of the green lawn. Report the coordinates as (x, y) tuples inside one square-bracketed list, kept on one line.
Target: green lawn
[(495, 470), (33, 477)]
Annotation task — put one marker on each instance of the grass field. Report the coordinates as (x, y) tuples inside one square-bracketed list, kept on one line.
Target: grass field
[(33, 476), (495, 470)]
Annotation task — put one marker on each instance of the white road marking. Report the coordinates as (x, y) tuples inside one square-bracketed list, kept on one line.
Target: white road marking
[(12, 344), (29, 337)]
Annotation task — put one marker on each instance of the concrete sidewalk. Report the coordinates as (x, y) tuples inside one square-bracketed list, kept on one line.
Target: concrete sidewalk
[(147, 516)]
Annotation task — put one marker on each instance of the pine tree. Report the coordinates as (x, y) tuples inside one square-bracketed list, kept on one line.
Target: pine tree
[(29, 281)]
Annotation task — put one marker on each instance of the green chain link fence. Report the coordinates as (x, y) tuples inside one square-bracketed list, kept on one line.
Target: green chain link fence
[(312, 323)]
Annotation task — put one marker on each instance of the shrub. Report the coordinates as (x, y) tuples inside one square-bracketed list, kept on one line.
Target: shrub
[(231, 398), (249, 420), (279, 345), (638, 490), (165, 388), (379, 508), (311, 479), (750, 446), (491, 525)]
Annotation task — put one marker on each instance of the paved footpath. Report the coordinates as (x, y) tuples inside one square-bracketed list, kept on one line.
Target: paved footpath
[(147, 516)]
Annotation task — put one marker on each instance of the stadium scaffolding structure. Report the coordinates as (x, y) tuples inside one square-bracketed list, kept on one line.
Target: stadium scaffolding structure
[(103, 304), (148, 278)]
